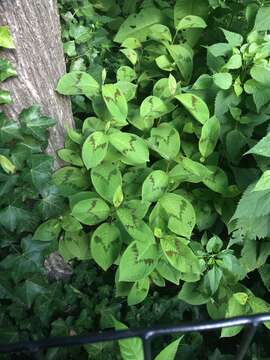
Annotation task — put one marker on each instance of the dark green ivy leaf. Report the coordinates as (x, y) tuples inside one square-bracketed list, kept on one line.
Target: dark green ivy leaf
[(35, 124), (6, 70)]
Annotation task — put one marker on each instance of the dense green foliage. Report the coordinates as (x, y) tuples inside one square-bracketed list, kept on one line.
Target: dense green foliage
[(162, 207), (31, 306), (6, 69), (158, 166)]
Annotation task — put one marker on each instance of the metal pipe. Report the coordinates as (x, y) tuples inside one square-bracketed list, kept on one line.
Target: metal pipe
[(144, 334)]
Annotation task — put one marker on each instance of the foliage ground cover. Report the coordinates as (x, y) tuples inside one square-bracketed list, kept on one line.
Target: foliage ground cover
[(165, 194)]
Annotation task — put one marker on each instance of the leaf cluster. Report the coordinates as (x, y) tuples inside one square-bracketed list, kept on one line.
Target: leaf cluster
[(6, 68), (161, 155), (166, 181)]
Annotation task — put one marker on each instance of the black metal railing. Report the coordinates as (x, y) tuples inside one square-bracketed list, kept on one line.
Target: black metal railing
[(250, 323)]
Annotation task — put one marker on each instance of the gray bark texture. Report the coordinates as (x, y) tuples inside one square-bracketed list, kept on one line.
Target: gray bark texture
[(39, 62)]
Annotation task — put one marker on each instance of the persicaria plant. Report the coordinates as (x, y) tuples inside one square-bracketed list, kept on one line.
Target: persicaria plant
[(155, 172)]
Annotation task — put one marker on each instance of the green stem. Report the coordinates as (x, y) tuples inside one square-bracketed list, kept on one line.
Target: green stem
[(175, 35)]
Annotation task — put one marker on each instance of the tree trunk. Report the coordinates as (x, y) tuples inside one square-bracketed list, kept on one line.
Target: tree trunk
[(39, 61)]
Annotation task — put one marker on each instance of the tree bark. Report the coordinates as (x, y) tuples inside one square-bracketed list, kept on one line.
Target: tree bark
[(39, 62)]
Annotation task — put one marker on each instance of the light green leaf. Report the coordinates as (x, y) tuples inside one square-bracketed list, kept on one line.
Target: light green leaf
[(136, 228), (234, 62), (253, 202), (76, 243), (194, 294), (260, 93), (261, 148), (92, 124), (7, 165), (214, 245), (138, 291), (154, 185), (217, 50), (183, 57), (126, 73), (5, 97), (115, 102), (241, 297), (224, 101), (138, 25), (157, 279), (133, 148), (94, 149), (152, 108), (48, 231), (264, 182), (75, 136), (259, 306), (106, 179), (189, 170), (138, 208), (6, 69), (234, 39), (217, 181), (186, 8), (80, 33), (118, 197), (128, 89), (70, 180), (82, 195), (105, 245), (137, 121), (165, 140), (179, 255), (234, 309), (167, 271), (141, 266), (262, 21), (131, 349), (70, 156), (180, 174), (191, 21), (158, 221), (131, 43), (172, 84), (261, 73), (70, 48), (70, 224), (160, 33), (203, 82), (5, 38), (164, 63), (223, 80), (189, 7), (91, 211), (164, 88), (209, 136), (78, 83), (213, 278), (195, 105), (237, 86), (131, 55), (180, 212), (169, 352), (63, 251)]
